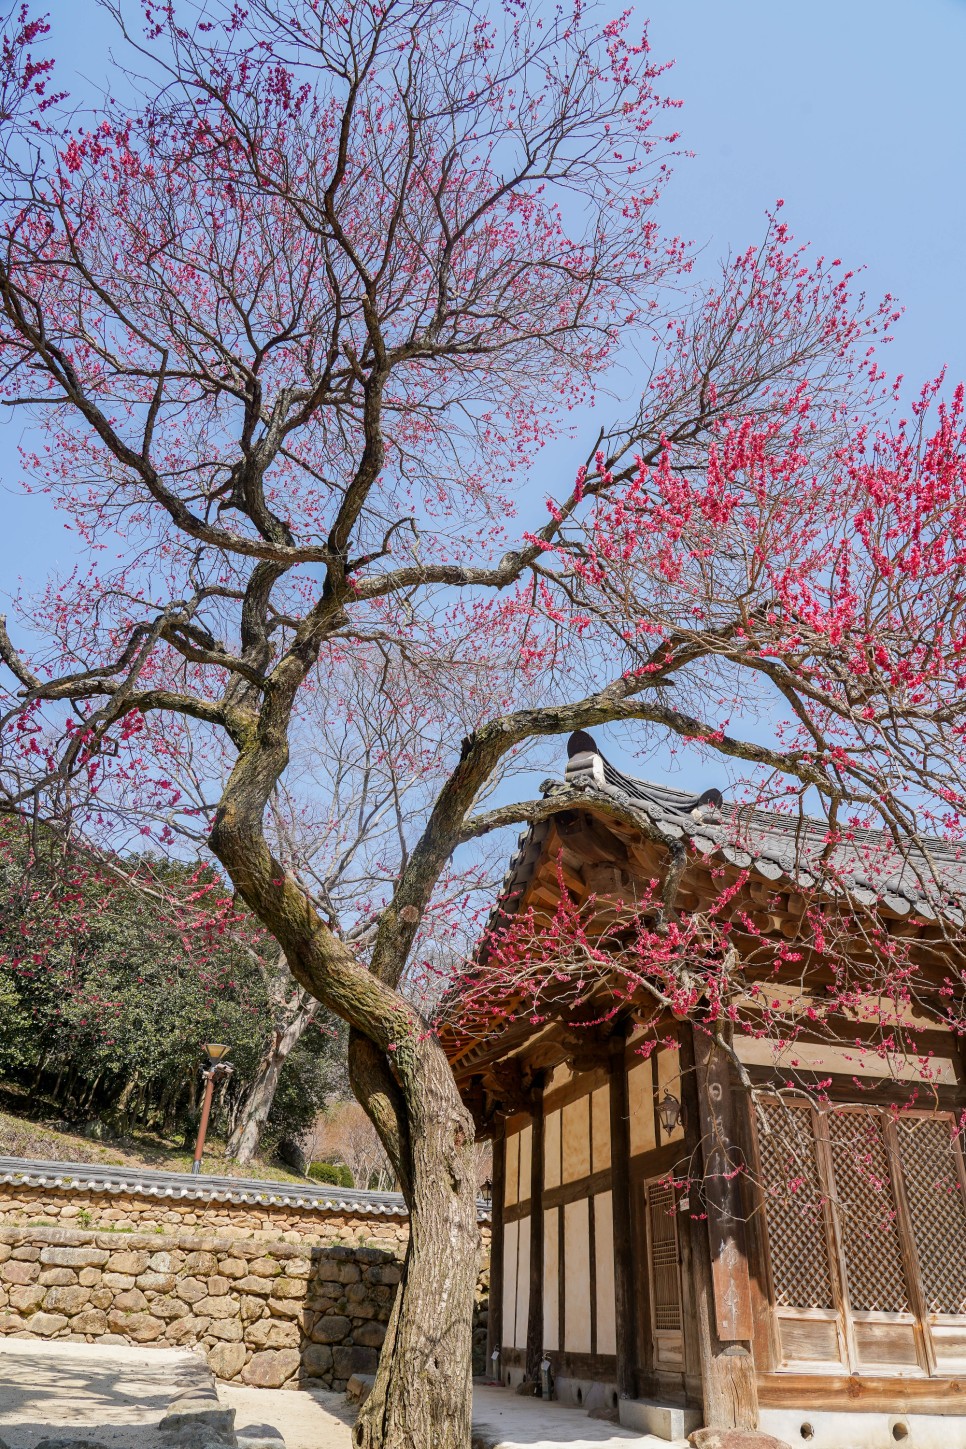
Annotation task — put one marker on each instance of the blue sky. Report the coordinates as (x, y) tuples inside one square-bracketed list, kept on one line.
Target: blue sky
[(852, 111)]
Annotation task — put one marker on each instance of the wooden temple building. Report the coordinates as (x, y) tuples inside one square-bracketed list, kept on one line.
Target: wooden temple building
[(763, 1237)]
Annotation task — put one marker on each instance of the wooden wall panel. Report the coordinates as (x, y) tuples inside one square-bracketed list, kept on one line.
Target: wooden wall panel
[(809, 1340), (604, 1266), (551, 1150), (551, 1278), (511, 1239), (895, 1344), (523, 1285), (575, 1127), (852, 1062), (949, 1342), (600, 1131), (640, 1101), (512, 1169), (577, 1293)]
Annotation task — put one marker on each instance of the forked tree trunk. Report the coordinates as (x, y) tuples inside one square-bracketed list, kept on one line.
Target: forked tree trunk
[(422, 1395), (254, 1110)]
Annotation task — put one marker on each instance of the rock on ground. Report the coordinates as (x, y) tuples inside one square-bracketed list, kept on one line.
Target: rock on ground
[(734, 1439)]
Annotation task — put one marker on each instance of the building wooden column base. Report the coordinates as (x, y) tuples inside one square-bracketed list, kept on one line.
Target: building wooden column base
[(729, 1384)]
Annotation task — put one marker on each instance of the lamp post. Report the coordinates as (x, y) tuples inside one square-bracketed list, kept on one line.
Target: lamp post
[(216, 1070)]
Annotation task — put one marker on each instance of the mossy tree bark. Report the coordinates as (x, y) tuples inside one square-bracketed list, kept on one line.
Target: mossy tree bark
[(401, 1076)]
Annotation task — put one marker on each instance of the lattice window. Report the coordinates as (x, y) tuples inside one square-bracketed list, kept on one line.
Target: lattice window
[(665, 1274), (937, 1208), (797, 1237), (866, 1207)]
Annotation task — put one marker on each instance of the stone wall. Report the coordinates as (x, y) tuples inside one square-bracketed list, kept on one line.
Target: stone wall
[(274, 1314), (127, 1211)]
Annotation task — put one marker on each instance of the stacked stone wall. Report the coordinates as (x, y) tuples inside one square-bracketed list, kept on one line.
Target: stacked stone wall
[(272, 1314), (128, 1211)]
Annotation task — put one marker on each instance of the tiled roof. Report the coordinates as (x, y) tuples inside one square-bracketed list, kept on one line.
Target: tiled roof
[(185, 1187), (929, 879), (74, 1176)]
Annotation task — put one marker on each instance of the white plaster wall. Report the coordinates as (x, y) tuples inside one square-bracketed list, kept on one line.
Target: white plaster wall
[(577, 1289), (551, 1150), (604, 1256), (834, 1429), (600, 1120), (640, 1100), (669, 1080), (511, 1237), (551, 1278), (512, 1169), (523, 1285), (559, 1077), (526, 1150), (576, 1139)]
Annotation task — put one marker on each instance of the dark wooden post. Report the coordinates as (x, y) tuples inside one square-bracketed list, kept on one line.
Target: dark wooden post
[(494, 1322), (722, 1291), (620, 1176), (535, 1311)]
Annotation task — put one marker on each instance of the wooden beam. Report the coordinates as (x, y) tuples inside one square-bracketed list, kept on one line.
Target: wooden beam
[(535, 1311), (624, 1276), (494, 1323), (728, 1378)]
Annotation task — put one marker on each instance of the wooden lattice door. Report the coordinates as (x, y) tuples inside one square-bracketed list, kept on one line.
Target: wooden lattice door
[(932, 1176), (866, 1229), (809, 1320), (879, 1277), (664, 1266)]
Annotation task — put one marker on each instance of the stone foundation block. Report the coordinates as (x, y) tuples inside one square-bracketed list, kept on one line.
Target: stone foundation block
[(272, 1368)]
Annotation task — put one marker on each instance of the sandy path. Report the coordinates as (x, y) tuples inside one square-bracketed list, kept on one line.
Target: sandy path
[(306, 1418)]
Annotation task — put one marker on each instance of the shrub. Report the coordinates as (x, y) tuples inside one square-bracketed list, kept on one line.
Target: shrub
[(335, 1173)]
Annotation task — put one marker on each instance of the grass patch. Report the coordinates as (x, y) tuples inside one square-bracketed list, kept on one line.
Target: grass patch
[(49, 1142)]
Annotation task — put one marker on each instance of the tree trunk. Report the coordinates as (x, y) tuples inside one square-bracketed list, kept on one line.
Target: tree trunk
[(121, 1114), (253, 1112), (422, 1395)]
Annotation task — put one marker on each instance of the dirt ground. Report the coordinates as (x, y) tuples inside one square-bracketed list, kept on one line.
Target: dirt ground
[(112, 1396), (308, 1419), (116, 1396)]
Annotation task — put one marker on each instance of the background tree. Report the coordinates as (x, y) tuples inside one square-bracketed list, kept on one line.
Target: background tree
[(297, 327), (115, 971), (372, 739), (344, 1134)]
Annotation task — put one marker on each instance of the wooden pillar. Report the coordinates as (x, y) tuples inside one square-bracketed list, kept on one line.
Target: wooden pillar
[(494, 1322), (722, 1292), (535, 1310), (620, 1156)]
